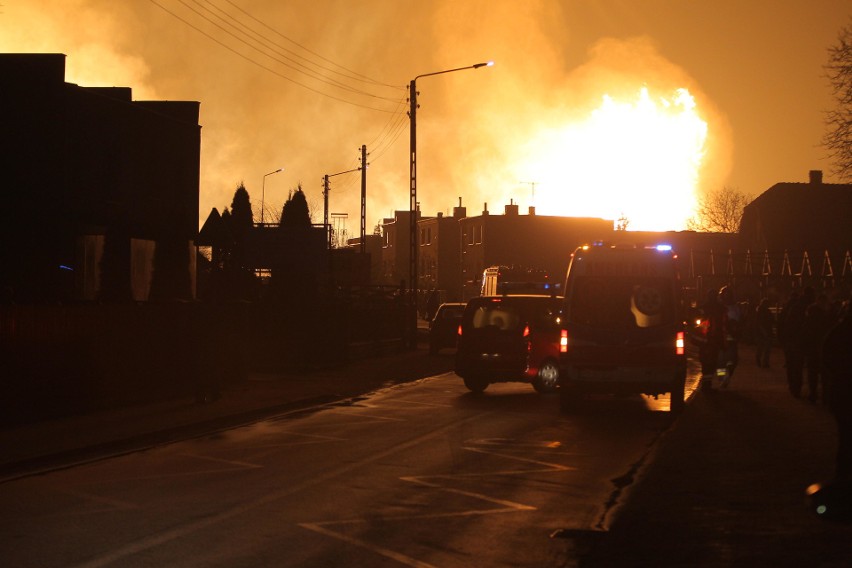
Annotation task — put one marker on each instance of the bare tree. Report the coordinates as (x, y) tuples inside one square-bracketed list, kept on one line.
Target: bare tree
[(838, 137), (719, 211)]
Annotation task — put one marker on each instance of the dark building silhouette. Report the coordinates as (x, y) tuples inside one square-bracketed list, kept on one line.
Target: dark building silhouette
[(530, 241), (439, 254), (796, 217), (373, 249), (93, 183), (396, 233)]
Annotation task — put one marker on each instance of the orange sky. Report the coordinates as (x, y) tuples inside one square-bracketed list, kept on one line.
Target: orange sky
[(753, 69)]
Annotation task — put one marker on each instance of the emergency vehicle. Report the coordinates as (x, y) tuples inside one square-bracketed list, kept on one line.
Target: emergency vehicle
[(622, 327), (503, 280)]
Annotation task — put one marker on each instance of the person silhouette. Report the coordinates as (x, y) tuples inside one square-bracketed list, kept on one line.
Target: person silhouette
[(836, 354), (733, 327), (764, 325), (711, 340)]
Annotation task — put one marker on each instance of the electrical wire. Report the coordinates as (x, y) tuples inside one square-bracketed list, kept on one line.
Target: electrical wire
[(354, 74), (264, 67), (278, 57)]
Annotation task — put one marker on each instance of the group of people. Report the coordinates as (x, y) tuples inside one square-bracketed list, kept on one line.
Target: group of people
[(803, 325), (816, 338)]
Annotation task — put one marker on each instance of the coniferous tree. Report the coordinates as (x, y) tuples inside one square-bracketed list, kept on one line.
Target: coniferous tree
[(296, 212), (241, 219), (240, 279)]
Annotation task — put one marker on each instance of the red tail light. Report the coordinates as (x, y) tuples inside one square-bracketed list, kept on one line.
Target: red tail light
[(526, 331), (459, 332), (679, 343), (563, 341)]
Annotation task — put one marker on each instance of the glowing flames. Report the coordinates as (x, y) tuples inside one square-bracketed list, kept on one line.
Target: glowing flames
[(640, 160)]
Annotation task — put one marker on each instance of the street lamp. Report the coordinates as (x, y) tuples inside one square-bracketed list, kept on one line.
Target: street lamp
[(412, 250), (263, 193)]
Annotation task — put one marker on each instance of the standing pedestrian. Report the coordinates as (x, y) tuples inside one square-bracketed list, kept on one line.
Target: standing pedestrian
[(818, 321), (711, 338), (733, 328), (791, 328), (837, 364), (764, 327)]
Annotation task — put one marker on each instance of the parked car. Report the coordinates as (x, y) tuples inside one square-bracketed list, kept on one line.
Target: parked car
[(623, 327), (443, 328), (509, 339)]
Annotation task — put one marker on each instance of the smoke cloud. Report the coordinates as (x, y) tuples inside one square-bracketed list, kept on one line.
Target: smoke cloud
[(258, 113)]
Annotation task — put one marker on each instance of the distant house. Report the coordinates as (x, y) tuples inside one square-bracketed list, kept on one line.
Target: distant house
[(396, 244), (96, 188), (813, 217), (530, 241), (439, 254)]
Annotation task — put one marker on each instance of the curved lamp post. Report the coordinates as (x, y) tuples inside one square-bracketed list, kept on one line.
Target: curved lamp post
[(263, 192), (325, 189), (412, 251)]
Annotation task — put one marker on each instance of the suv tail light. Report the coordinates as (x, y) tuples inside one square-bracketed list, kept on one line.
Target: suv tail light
[(563, 341), (679, 343)]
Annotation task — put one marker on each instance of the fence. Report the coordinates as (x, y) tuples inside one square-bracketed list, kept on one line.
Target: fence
[(769, 273), (63, 359)]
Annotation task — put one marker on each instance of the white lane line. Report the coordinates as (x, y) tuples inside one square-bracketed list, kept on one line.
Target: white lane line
[(121, 554), (393, 555), (239, 464), (506, 506)]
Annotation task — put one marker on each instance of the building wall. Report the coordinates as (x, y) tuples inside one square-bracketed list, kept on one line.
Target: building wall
[(395, 249), (531, 241), (439, 256), (85, 161), (813, 216)]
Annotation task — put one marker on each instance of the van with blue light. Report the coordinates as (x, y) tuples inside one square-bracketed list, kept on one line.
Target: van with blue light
[(622, 327)]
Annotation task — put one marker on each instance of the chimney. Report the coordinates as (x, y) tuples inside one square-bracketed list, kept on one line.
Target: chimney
[(440, 214), (532, 209), (511, 208), (815, 177), (459, 212), (485, 208)]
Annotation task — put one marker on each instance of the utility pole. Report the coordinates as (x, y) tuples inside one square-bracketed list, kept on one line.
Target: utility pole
[(363, 198), (325, 211)]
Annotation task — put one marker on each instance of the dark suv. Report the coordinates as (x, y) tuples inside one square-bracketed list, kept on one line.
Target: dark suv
[(509, 339), (443, 329), (622, 324)]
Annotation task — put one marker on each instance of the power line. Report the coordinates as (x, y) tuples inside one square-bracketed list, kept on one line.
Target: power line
[(356, 75), (264, 67), (293, 64)]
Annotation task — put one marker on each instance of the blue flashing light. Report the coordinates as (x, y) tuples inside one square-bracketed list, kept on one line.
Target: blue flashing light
[(664, 247), (63, 267)]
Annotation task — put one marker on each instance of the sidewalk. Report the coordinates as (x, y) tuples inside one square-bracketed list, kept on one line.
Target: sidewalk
[(726, 485)]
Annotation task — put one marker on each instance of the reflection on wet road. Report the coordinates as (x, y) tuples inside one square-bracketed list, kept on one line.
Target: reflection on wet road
[(422, 474)]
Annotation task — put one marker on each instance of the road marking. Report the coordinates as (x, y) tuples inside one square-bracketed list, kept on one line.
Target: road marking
[(401, 558), (322, 527), (122, 553)]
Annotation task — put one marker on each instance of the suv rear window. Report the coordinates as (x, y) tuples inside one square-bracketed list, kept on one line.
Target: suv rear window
[(620, 302), (511, 312)]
